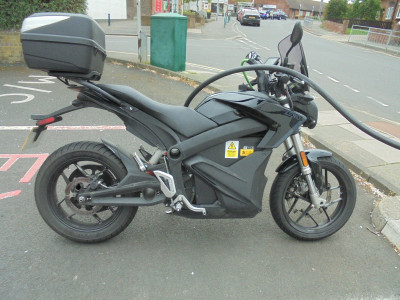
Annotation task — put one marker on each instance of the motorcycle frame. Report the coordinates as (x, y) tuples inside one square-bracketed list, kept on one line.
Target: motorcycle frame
[(184, 152)]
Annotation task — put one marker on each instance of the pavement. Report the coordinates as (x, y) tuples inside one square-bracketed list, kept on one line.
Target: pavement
[(374, 161)]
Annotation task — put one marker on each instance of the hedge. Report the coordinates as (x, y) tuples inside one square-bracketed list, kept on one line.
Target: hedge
[(13, 12)]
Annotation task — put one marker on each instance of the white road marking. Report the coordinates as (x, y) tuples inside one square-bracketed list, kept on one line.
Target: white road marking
[(354, 90), (211, 69), (377, 101), (41, 79), (333, 79), (27, 88), (316, 71), (98, 127), (28, 97)]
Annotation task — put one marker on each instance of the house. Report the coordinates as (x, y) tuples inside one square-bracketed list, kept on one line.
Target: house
[(391, 12), (292, 8)]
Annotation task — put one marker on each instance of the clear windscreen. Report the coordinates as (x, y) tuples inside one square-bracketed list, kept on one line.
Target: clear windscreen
[(296, 56)]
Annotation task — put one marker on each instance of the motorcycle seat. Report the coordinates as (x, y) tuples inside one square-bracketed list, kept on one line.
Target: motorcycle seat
[(182, 120)]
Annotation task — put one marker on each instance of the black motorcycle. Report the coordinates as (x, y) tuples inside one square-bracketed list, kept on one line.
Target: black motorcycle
[(209, 161)]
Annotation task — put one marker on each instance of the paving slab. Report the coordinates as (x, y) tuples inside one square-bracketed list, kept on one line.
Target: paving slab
[(386, 153)]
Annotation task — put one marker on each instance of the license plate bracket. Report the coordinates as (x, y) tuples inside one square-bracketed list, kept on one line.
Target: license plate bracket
[(33, 136)]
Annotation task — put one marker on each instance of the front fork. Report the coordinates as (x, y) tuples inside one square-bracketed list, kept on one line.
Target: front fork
[(294, 146)]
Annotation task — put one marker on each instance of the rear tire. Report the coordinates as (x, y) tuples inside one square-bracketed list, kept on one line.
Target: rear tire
[(68, 170), (292, 210)]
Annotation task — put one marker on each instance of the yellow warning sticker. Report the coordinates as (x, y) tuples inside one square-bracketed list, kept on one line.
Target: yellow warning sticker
[(232, 149), (246, 151)]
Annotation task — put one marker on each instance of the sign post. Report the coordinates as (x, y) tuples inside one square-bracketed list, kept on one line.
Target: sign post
[(139, 22)]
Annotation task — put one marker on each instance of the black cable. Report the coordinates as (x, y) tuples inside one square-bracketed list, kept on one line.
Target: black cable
[(307, 80)]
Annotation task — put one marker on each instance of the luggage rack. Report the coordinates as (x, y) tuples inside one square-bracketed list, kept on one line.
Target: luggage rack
[(94, 75)]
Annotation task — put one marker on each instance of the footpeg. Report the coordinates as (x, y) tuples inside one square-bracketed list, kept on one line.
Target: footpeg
[(167, 183), (141, 165), (168, 188), (189, 205)]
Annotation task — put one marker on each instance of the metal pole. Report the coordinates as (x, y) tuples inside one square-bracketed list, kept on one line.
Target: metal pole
[(366, 41), (109, 20), (139, 22), (320, 5), (389, 39), (217, 9)]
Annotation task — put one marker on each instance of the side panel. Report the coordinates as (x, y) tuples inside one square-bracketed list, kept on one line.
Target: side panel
[(238, 188)]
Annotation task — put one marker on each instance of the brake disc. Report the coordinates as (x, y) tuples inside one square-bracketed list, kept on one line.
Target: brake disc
[(71, 197)]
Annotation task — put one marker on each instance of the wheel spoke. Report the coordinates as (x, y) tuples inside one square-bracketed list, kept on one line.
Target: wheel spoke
[(295, 195), (111, 209), (326, 214), (293, 205), (333, 202), (65, 178), (70, 216), (334, 188), (97, 218), (59, 202), (326, 177), (312, 219), (304, 213), (81, 170)]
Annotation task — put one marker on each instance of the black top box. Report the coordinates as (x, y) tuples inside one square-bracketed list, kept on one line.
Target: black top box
[(62, 44)]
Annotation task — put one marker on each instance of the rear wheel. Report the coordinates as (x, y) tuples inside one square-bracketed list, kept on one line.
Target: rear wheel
[(73, 168), (292, 209)]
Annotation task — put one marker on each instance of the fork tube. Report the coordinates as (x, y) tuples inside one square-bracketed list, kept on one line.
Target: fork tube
[(306, 171), (289, 147)]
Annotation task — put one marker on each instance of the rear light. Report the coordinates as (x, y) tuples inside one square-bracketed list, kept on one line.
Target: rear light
[(48, 121)]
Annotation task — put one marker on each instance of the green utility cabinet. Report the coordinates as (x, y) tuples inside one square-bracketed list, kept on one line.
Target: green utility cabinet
[(168, 33)]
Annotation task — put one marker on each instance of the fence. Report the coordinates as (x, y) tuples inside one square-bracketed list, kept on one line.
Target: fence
[(366, 23), (388, 40)]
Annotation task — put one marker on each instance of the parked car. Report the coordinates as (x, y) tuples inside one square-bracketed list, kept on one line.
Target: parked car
[(241, 12), (250, 16), (279, 15), (264, 15)]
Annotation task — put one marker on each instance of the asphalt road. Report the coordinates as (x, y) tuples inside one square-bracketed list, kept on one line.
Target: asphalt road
[(160, 256)]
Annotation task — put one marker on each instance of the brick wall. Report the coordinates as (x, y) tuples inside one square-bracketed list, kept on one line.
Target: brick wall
[(336, 27), (10, 48)]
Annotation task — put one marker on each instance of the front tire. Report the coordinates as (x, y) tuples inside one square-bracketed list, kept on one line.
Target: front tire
[(67, 171), (292, 210)]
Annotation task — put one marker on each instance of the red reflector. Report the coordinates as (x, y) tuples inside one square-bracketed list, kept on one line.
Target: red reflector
[(46, 121)]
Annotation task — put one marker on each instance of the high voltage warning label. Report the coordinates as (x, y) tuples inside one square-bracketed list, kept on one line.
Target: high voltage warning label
[(232, 149)]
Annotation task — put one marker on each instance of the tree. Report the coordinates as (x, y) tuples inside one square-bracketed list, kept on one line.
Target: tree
[(364, 10), (12, 12), (336, 9)]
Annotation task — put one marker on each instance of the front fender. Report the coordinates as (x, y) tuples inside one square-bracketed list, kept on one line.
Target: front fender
[(312, 156)]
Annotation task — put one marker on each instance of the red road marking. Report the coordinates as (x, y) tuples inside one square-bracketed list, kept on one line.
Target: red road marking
[(10, 194), (8, 163), (12, 158)]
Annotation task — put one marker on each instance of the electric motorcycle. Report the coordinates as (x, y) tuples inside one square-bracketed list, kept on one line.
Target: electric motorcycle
[(208, 162)]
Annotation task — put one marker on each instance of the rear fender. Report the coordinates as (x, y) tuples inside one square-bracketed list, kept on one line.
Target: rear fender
[(134, 175)]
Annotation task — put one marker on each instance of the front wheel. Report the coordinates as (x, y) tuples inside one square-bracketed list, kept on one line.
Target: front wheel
[(292, 209), (78, 167)]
